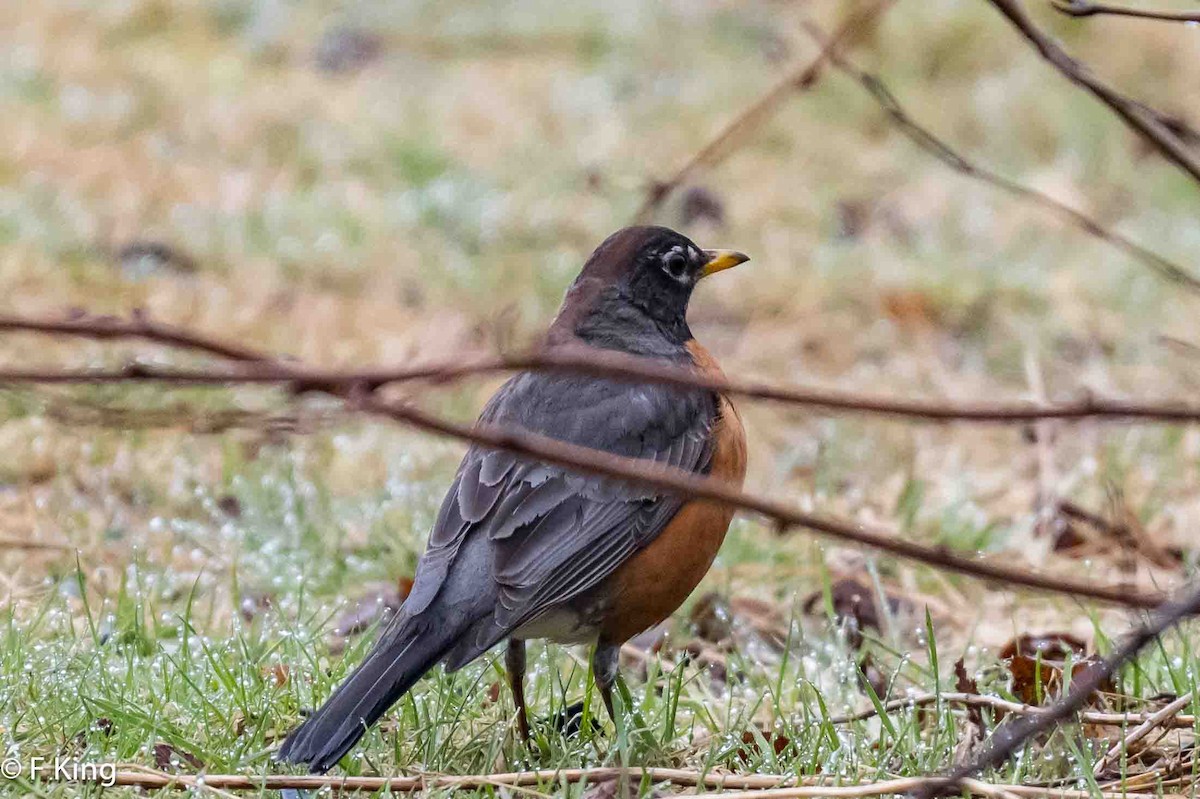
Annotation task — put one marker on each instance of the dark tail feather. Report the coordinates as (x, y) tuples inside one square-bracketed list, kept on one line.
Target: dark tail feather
[(400, 658)]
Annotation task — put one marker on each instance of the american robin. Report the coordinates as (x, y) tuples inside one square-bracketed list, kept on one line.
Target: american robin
[(522, 549)]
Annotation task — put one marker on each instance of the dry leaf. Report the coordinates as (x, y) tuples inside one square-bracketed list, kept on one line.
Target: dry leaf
[(855, 603), (966, 684), (168, 758), (751, 748)]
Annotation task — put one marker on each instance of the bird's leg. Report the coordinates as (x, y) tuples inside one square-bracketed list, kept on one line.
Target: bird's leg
[(605, 661), (514, 664)]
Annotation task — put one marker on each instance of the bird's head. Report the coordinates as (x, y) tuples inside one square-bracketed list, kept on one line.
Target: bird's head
[(639, 280)]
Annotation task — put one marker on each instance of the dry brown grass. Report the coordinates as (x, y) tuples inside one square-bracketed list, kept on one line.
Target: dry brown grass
[(438, 199)]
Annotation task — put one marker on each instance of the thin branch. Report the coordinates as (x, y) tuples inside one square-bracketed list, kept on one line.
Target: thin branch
[(1160, 720), (799, 79), (1083, 8), (602, 364), (139, 777), (911, 785), (687, 484), (1017, 708), (359, 392), (361, 395), (1141, 118), (764, 786), (139, 326), (938, 148), (1007, 741)]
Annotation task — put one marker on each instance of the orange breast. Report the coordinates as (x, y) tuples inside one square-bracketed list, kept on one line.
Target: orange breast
[(653, 583)]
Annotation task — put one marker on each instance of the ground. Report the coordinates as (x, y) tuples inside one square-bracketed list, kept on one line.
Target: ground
[(389, 184)]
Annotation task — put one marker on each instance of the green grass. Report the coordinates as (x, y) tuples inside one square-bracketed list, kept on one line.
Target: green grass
[(436, 203), (214, 643)]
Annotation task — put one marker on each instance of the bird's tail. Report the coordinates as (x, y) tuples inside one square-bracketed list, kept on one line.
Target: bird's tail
[(402, 656)]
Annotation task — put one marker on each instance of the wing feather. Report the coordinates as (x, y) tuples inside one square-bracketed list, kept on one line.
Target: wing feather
[(556, 533)]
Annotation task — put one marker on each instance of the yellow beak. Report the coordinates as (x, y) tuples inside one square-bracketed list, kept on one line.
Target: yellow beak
[(720, 260)]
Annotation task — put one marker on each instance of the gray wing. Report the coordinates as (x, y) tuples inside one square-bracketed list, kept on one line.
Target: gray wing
[(555, 533)]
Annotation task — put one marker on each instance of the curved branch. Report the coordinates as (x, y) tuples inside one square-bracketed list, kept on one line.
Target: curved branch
[(687, 484), (1018, 708), (139, 325), (1084, 8), (1008, 740), (616, 366), (764, 786), (939, 149), (359, 391), (1142, 119), (799, 79)]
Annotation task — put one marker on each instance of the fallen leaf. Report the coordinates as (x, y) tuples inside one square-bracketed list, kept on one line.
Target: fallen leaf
[(712, 618), (278, 672), (1080, 668), (752, 741), (704, 654), (230, 506), (168, 758), (493, 694), (1033, 681), (872, 675), (966, 684), (856, 605), (1038, 679)]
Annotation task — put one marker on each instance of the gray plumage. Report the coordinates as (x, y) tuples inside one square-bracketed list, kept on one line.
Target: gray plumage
[(517, 540)]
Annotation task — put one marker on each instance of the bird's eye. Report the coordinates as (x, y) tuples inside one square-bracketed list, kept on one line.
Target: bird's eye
[(675, 263)]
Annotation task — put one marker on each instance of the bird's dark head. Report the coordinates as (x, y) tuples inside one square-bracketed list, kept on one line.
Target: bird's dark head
[(635, 288)]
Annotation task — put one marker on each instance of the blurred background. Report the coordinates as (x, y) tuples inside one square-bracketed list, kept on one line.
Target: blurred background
[(388, 183)]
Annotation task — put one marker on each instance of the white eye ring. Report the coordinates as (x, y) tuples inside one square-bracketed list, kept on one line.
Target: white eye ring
[(675, 264)]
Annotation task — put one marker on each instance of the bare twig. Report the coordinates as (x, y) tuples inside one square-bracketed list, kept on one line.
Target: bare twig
[(1007, 741), (141, 777), (138, 326), (197, 784), (359, 392), (1163, 718), (1142, 119), (1115, 530), (1083, 8), (938, 148), (681, 482), (911, 785), (1017, 708), (765, 786), (799, 79), (622, 367)]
